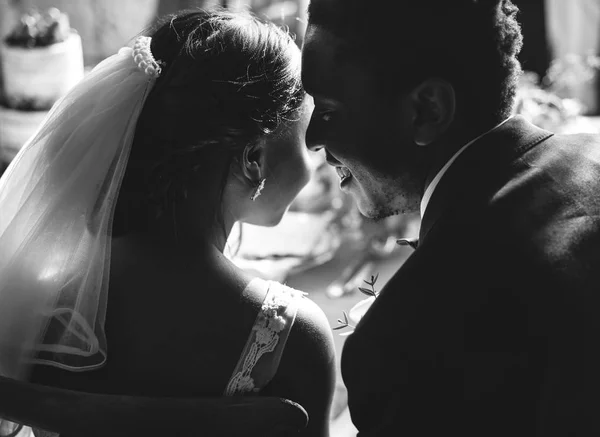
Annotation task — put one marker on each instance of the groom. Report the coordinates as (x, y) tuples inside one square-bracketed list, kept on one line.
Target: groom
[(492, 326)]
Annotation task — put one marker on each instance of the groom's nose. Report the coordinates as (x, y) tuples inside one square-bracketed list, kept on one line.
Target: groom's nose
[(313, 141)]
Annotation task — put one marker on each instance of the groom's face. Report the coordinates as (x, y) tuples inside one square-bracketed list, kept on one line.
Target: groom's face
[(366, 135)]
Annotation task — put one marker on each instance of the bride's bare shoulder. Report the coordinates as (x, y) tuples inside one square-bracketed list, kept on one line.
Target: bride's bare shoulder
[(307, 372), (153, 267)]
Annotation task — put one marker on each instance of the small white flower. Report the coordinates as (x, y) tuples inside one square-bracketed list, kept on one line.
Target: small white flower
[(277, 323), (359, 310), (270, 313)]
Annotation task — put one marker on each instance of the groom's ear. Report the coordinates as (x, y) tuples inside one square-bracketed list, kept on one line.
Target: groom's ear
[(434, 107), (252, 162)]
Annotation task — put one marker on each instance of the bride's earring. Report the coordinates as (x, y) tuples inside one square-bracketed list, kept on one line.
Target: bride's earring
[(258, 189)]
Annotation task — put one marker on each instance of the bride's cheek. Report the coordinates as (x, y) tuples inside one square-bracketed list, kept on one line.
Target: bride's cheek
[(307, 165)]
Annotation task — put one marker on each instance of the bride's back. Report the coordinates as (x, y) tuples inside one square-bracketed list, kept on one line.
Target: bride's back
[(220, 140), (176, 323)]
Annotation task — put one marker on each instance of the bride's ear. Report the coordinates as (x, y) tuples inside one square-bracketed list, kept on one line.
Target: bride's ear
[(251, 162)]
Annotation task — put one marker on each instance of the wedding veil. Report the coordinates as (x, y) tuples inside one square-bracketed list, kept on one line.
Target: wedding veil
[(57, 200)]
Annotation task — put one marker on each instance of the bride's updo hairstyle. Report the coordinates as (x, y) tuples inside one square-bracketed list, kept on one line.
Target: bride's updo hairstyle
[(227, 80)]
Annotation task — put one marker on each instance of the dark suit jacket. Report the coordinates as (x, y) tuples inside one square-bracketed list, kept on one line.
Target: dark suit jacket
[(492, 326)]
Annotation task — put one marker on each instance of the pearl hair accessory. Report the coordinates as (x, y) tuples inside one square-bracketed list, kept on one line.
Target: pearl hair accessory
[(142, 55)]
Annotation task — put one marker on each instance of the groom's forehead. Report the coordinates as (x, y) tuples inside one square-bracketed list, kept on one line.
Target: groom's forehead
[(320, 43), (320, 58), (328, 67), (327, 76)]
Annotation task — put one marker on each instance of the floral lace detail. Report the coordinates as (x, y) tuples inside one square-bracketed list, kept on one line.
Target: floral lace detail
[(271, 321)]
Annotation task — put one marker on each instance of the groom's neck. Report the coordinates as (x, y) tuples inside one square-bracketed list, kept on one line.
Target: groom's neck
[(447, 146)]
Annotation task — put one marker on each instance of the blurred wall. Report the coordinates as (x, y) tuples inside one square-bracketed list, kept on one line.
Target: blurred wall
[(170, 6), (574, 28), (535, 55), (107, 25), (288, 13), (104, 25)]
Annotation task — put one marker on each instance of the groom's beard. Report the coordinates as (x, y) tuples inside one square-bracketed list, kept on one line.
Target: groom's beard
[(382, 215)]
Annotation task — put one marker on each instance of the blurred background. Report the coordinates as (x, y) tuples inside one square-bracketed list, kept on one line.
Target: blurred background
[(323, 245), (106, 25)]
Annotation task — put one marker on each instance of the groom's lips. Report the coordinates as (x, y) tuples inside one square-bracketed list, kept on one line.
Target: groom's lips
[(343, 172), (344, 175)]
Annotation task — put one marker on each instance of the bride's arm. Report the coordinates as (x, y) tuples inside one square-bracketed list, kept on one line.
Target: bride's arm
[(306, 373)]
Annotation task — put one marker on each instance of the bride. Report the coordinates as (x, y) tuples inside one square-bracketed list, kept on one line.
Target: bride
[(115, 216)]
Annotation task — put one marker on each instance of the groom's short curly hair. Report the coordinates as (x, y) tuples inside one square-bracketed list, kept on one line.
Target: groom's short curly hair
[(473, 44)]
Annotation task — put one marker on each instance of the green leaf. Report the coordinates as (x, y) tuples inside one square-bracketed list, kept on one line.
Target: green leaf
[(375, 280), (345, 317), (340, 327), (366, 291)]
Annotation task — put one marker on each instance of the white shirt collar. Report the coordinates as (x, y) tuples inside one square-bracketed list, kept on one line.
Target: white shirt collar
[(431, 187)]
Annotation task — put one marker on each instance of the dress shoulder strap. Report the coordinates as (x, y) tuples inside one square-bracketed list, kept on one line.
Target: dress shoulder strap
[(260, 358)]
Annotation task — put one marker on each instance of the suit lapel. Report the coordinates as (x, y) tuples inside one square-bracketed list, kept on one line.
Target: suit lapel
[(478, 165)]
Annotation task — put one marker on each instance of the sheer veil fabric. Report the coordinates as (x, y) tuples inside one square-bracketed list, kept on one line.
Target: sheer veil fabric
[(57, 201)]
